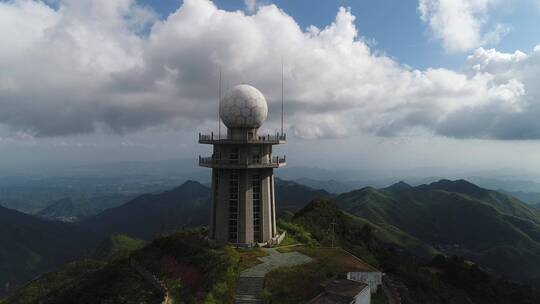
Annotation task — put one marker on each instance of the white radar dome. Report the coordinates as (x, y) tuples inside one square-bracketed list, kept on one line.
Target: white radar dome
[(243, 107)]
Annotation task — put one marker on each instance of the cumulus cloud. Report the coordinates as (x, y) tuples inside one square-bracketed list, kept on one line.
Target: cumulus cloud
[(251, 5), (460, 24), (86, 66)]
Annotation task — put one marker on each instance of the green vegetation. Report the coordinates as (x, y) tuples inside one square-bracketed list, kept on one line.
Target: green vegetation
[(45, 284), (117, 246), (438, 280), (410, 233), (192, 271), (379, 298), (458, 218), (249, 257), (296, 234), (51, 287), (296, 284), (30, 245)]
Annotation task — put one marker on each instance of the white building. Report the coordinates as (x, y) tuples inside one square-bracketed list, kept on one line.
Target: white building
[(371, 278), (343, 291)]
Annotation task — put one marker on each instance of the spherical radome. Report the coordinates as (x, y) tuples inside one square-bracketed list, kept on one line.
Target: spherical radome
[(243, 107)]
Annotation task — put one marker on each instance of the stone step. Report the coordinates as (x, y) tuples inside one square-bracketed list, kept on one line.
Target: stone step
[(248, 290), (247, 300)]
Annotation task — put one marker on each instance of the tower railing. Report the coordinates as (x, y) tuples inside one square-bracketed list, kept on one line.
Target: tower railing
[(216, 138), (275, 161)]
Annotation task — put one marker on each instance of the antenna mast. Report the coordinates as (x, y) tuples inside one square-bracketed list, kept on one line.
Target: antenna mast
[(281, 96), (219, 107)]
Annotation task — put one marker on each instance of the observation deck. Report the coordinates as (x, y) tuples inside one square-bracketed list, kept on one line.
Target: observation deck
[(274, 162), (267, 139)]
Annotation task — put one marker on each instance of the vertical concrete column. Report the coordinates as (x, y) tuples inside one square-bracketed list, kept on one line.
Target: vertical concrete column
[(242, 189), (213, 202), (265, 206), (222, 208), (273, 205), (248, 207)]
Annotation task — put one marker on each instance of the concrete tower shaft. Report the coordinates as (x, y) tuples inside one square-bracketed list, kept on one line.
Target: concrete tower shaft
[(243, 194)]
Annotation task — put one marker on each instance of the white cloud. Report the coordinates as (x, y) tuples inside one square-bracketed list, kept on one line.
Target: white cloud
[(460, 24), (84, 67), (251, 5)]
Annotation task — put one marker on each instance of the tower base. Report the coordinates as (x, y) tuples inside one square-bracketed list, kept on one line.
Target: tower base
[(275, 241)]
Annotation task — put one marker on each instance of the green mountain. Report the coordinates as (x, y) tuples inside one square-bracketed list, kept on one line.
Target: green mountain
[(494, 229), (192, 271), (30, 245), (532, 198), (332, 186), (117, 245), (293, 196), (184, 206), (66, 210), (399, 186), (325, 220), (441, 279), (150, 214), (182, 263)]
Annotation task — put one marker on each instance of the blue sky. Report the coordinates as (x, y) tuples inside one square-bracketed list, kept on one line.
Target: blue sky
[(424, 83), (395, 26)]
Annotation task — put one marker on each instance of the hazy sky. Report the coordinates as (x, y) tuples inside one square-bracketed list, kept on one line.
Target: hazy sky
[(368, 84)]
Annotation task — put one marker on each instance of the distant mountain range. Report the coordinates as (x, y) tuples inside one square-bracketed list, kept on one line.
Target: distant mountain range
[(492, 228), (408, 227), (332, 186), (150, 214), (70, 210), (184, 206), (293, 196), (457, 217), (31, 245), (532, 198)]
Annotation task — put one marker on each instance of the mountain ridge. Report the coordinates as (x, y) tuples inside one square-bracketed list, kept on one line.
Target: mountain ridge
[(458, 217), (31, 245)]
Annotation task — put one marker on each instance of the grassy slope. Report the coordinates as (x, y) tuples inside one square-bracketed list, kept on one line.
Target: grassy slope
[(118, 245), (72, 274), (299, 284), (192, 271), (328, 212), (43, 285)]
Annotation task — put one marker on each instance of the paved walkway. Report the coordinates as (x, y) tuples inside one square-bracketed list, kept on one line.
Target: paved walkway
[(251, 280)]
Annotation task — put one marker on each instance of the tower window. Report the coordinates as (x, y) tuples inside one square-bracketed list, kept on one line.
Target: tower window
[(256, 189), (234, 155), (233, 208)]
